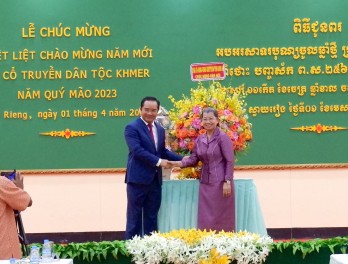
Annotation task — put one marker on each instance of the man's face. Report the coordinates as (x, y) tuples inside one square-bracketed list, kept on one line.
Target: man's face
[(149, 111)]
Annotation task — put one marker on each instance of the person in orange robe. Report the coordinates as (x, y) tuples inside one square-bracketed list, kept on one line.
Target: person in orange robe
[(12, 197)]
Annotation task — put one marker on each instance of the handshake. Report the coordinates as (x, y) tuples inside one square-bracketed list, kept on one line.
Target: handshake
[(168, 164)]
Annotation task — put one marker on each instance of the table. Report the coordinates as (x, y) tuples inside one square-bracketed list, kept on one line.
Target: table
[(339, 259), (180, 205), (61, 261)]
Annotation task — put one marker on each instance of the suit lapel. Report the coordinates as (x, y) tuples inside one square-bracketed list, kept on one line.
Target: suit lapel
[(159, 134), (146, 131), (159, 131)]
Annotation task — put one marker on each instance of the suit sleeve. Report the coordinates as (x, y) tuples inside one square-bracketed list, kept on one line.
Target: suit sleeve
[(170, 155), (193, 159), (138, 146), (164, 152)]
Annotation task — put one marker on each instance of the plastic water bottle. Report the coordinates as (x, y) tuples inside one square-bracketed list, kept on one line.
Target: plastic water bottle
[(46, 255), (34, 255)]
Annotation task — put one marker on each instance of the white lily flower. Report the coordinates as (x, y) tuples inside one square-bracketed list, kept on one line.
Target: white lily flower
[(244, 247)]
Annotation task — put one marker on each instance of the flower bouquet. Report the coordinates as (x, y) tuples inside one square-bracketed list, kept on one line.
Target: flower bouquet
[(203, 247), (186, 120)]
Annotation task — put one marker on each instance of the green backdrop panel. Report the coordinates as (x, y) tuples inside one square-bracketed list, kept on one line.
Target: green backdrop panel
[(80, 68)]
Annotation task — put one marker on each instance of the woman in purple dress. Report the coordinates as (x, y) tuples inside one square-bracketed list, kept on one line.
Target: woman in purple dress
[(216, 205)]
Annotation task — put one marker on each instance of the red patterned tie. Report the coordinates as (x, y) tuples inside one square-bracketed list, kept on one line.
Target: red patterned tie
[(151, 132)]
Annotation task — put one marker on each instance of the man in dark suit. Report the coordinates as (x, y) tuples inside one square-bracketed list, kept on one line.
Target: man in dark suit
[(147, 155)]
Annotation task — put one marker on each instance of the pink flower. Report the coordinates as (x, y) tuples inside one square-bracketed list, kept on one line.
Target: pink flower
[(235, 135), (182, 143), (196, 109), (227, 112), (196, 123), (237, 124)]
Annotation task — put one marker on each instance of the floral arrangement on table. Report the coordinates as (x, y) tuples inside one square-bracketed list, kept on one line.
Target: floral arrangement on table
[(186, 120), (203, 247)]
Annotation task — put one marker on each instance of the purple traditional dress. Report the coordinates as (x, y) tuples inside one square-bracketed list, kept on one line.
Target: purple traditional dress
[(215, 212)]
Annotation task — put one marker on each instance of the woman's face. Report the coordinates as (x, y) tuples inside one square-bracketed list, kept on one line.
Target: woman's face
[(209, 121)]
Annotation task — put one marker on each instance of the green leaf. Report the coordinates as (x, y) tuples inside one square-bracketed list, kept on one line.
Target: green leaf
[(85, 256), (295, 248), (105, 253), (331, 247), (304, 252)]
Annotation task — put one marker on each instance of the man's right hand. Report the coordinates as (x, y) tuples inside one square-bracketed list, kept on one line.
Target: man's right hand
[(164, 163)]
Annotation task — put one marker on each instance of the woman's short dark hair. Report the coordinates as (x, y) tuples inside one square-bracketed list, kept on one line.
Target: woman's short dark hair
[(208, 110)]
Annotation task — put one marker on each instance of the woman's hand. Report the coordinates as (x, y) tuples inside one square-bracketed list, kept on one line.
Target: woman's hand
[(173, 164), (226, 189)]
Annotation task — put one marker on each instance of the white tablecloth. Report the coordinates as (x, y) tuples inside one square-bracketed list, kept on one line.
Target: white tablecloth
[(61, 261), (339, 259)]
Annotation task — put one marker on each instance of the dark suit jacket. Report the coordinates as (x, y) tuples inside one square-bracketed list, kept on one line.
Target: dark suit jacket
[(143, 156)]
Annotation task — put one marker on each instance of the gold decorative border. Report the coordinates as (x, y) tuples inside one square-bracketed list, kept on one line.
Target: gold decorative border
[(292, 166), (74, 171), (319, 128), (67, 133), (238, 167)]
